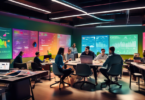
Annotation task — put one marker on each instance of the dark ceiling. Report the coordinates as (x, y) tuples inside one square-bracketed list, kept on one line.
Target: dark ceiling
[(94, 9)]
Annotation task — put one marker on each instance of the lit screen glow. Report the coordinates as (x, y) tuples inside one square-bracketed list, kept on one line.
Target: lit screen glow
[(51, 42), (95, 42), (124, 44), (5, 43), (26, 41)]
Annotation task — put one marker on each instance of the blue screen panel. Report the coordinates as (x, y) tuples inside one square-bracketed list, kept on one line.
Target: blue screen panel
[(102, 42), (89, 40)]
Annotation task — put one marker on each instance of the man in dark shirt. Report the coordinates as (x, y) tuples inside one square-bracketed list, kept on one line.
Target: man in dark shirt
[(18, 59), (91, 53), (38, 61), (88, 52)]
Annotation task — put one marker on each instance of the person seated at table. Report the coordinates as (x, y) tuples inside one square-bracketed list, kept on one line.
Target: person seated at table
[(73, 49), (102, 55), (60, 64), (91, 53), (18, 59), (38, 61), (69, 56), (106, 65), (88, 52)]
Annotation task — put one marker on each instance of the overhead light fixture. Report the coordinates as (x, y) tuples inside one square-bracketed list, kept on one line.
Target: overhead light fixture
[(135, 8), (70, 6), (25, 5), (118, 26), (91, 24), (65, 3)]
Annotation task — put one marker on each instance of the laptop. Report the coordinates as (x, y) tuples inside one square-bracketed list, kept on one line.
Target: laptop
[(4, 67), (86, 59)]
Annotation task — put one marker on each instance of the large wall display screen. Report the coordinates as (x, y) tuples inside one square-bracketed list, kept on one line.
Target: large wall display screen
[(5, 43), (95, 42), (26, 41), (50, 42), (124, 44)]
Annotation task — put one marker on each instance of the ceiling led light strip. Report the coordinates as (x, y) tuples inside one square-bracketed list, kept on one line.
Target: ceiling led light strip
[(118, 26), (91, 24), (99, 12), (42, 10), (69, 6)]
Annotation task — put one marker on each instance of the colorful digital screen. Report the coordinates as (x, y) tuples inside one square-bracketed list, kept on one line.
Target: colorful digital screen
[(96, 43), (5, 43), (124, 44), (26, 41), (102, 42), (143, 41), (50, 42)]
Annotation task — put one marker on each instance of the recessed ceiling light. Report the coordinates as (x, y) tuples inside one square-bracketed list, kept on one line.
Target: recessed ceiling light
[(91, 24), (25, 5)]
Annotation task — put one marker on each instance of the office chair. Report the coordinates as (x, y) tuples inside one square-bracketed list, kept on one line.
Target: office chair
[(83, 70), (138, 75), (59, 74), (35, 67), (115, 69), (20, 65)]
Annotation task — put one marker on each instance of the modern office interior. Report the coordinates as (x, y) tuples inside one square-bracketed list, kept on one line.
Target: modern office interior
[(72, 49)]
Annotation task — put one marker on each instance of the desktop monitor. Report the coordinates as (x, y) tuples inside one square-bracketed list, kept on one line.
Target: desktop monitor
[(4, 66), (47, 56)]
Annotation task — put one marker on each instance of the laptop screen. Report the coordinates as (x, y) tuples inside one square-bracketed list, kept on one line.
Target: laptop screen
[(4, 65)]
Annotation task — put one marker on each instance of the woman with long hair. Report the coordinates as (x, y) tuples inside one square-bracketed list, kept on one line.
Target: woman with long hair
[(60, 64)]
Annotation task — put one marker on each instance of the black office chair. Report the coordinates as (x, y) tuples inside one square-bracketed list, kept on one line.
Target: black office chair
[(138, 75), (20, 65), (59, 74), (35, 67), (114, 71), (83, 70)]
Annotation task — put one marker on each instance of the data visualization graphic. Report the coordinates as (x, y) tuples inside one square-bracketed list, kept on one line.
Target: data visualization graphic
[(102, 42), (124, 44), (95, 42), (26, 41), (51, 42), (5, 43), (89, 40)]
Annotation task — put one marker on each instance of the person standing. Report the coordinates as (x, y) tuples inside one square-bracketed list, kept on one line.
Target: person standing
[(73, 49)]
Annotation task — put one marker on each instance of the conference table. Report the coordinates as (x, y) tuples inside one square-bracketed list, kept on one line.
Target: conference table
[(20, 87)]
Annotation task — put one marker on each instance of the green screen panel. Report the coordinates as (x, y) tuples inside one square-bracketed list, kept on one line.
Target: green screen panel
[(124, 44), (5, 43)]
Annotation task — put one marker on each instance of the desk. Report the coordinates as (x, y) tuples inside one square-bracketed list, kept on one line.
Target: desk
[(20, 87)]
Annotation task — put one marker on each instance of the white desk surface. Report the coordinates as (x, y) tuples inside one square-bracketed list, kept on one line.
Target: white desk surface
[(141, 66)]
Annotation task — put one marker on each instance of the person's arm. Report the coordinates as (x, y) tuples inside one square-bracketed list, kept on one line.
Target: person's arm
[(94, 55), (106, 62), (40, 60), (61, 60), (97, 58), (76, 51)]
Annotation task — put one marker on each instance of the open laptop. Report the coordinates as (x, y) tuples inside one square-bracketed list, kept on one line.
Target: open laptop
[(4, 67), (86, 59)]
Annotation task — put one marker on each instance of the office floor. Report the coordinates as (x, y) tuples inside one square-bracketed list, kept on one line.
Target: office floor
[(43, 91)]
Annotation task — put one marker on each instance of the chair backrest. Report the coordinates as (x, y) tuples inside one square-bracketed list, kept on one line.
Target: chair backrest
[(83, 70), (34, 66), (115, 65), (20, 65), (56, 70)]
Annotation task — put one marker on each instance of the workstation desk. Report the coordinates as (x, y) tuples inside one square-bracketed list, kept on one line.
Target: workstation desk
[(20, 87)]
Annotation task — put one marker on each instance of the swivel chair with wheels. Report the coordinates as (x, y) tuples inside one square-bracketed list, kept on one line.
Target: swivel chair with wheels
[(59, 74), (20, 65), (83, 70), (114, 70)]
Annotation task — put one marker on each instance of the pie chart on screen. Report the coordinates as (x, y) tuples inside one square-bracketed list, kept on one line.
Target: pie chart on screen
[(34, 44)]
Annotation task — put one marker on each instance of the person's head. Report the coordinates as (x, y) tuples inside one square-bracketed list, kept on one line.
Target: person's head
[(74, 45), (69, 51), (61, 51), (103, 51), (21, 53), (37, 54), (111, 50), (87, 49)]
